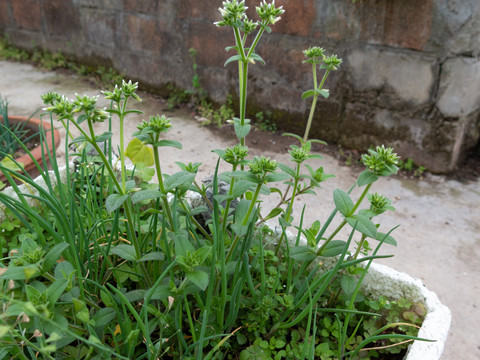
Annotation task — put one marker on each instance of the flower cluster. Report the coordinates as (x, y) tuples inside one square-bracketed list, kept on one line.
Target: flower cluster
[(379, 203), (316, 55), (233, 12), (381, 161), (298, 154), (235, 154), (119, 93), (262, 165), (269, 13), (332, 62), (149, 130)]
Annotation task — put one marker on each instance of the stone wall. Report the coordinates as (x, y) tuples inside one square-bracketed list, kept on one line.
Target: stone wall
[(410, 77)]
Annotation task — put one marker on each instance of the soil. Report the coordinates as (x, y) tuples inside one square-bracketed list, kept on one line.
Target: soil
[(32, 143)]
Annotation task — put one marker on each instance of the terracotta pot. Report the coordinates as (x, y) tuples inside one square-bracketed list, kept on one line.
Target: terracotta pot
[(33, 124)]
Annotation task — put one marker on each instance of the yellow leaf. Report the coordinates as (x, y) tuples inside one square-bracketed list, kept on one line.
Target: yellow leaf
[(138, 152)]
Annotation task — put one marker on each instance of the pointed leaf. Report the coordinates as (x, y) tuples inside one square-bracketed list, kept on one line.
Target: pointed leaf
[(343, 202), (114, 201), (103, 137), (302, 253), (348, 284), (143, 195), (79, 139), (241, 130), (274, 213), (366, 177), (53, 255), (170, 143), (125, 251), (389, 239), (324, 92), (199, 278), (55, 290), (364, 225), (233, 58), (153, 256), (307, 94), (333, 248), (104, 316)]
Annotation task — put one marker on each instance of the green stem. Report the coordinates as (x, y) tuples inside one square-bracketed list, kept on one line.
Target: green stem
[(310, 118), (339, 227), (245, 221), (255, 42), (290, 206), (161, 186), (121, 117), (252, 204)]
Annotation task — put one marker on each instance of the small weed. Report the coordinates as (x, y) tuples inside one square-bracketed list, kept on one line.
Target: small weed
[(177, 97), (52, 61), (409, 166), (264, 122), (217, 116)]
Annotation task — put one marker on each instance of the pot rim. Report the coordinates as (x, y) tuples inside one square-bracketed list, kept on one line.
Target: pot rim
[(37, 153)]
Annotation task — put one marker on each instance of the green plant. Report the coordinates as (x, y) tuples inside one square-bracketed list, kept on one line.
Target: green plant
[(218, 116), (124, 269), (264, 122), (409, 166), (50, 61)]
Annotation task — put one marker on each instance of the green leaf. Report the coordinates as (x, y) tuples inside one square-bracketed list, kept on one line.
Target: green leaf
[(389, 239), (153, 256), (199, 278), (307, 94), (104, 316), (257, 57), (287, 169), (364, 225), (53, 255), (138, 152), (182, 245), (348, 284), (103, 137), (55, 290), (114, 201), (324, 92), (303, 253), (294, 136), (143, 195), (276, 177), (80, 139), (274, 213), (241, 130), (239, 229), (333, 248), (170, 143), (19, 272), (202, 254), (233, 58), (134, 111), (366, 177), (177, 179), (342, 202), (240, 188), (125, 251)]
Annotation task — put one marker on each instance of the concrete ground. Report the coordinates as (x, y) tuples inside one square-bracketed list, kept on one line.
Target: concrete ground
[(439, 236)]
